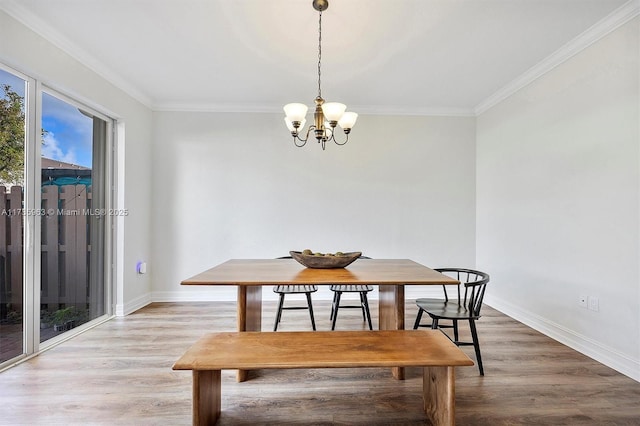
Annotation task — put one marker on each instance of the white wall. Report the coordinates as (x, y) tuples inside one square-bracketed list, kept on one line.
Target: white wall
[(230, 185), (558, 201), (34, 56)]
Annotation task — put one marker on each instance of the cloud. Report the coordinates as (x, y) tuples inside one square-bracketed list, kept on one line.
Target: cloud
[(70, 131), (52, 149)]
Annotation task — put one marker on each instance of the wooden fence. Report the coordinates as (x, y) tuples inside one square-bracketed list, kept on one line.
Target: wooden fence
[(65, 249), (11, 231)]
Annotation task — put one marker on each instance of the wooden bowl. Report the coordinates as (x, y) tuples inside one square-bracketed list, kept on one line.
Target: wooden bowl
[(325, 262)]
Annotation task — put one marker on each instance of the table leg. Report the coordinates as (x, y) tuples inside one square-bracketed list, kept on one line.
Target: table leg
[(438, 391), (206, 397), (249, 315), (391, 314)]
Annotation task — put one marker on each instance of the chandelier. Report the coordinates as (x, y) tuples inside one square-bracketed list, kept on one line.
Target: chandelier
[(327, 115)]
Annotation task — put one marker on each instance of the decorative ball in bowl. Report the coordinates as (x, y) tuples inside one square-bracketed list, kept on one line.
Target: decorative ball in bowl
[(325, 260)]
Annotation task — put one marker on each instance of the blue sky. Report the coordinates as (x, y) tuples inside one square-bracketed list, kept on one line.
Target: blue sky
[(69, 132)]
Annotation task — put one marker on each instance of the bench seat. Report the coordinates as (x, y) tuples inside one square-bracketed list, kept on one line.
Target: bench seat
[(429, 349)]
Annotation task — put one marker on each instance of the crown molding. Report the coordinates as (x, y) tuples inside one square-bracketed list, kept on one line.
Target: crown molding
[(42, 28), (277, 109), (212, 107), (616, 19), (416, 111)]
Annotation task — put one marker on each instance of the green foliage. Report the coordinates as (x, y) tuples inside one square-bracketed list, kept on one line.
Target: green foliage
[(12, 134), (70, 313), (63, 315)]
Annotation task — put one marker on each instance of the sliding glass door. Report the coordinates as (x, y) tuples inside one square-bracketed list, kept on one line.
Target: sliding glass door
[(54, 222), (74, 215), (12, 161)]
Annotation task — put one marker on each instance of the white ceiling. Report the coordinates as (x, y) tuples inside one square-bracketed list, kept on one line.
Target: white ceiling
[(394, 56)]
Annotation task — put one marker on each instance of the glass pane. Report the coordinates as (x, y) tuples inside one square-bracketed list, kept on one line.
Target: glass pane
[(12, 143), (72, 274)]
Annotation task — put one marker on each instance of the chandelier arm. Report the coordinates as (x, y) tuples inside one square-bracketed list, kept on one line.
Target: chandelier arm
[(333, 138), (296, 137)]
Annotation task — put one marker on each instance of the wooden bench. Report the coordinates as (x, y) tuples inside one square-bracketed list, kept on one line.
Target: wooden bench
[(429, 349)]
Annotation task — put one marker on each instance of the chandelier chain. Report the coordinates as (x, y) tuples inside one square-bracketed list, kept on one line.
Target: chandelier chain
[(319, 52)]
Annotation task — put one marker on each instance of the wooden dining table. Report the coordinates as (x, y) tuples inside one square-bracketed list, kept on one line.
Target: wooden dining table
[(390, 275)]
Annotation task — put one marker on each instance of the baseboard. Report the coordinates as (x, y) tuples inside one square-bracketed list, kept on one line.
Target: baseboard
[(198, 295), (133, 305), (586, 346)]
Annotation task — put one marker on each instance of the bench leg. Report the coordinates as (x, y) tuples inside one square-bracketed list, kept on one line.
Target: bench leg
[(249, 315), (438, 391), (206, 397), (391, 314)]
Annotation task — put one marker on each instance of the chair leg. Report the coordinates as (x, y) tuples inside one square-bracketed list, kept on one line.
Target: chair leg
[(362, 296), (279, 313), (313, 321), (418, 318), (476, 344), (333, 305), (365, 304), (335, 312), (455, 331)]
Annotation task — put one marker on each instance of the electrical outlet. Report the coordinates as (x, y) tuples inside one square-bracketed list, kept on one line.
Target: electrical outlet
[(593, 303), (582, 301)]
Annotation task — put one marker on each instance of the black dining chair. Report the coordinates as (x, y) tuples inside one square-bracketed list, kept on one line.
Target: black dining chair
[(283, 290), (361, 289), (464, 308)]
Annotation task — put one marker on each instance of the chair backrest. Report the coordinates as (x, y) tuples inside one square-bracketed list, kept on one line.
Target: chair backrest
[(475, 284)]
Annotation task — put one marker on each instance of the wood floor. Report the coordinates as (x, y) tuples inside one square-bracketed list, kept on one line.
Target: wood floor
[(119, 373)]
